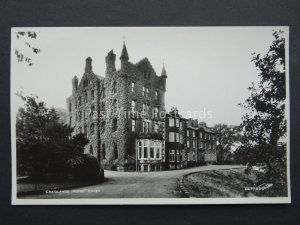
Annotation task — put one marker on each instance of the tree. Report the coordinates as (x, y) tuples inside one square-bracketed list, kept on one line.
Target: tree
[(44, 145), (264, 124), (26, 37), (228, 137)]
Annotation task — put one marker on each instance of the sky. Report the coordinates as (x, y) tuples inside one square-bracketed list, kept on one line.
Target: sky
[(209, 68)]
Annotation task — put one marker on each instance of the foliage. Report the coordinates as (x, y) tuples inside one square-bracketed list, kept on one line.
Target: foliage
[(44, 145), (30, 35), (88, 169), (228, 138), (264, 124)]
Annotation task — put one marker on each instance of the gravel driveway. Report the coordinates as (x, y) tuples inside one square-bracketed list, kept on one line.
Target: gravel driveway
[(161, 184)]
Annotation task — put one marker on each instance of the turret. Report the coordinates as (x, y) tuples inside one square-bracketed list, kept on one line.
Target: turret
[(124, 56), (110, 60), (75, 83), (164, 77), (88, 65)]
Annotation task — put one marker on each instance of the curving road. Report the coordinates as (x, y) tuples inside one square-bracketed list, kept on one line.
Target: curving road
[(161, 184)]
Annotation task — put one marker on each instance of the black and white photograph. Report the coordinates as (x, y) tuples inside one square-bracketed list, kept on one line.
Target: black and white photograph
[(150, 115)]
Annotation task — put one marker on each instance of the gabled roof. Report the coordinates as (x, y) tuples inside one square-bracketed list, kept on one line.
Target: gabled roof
[(145, 62)]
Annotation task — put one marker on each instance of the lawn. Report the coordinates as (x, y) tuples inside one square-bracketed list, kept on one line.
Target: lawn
[(220, 184)]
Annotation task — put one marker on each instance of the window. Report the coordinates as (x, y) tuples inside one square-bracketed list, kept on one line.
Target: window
[(194, 134), (140, 150), (85, 83), (132, 86), (93, 113), (201, 135), (103, 152), (70, 107), (133, 106), (103, 93), (171, 137), (181, 138), (177, 156), (79, 116), (155, 128), (146, 145), (145, 91), (133, 125), (102, 127), (177, 137), (155, 111), (85, 129), (172, 156), (114, 105), (187, 133), (70, 121), (151, 149), (102, 105), (146, 75), (194, 144), (85, 97), (116, 151), (91, 150), (171, 122), (114, 87), (79, 100), (146, 109), (157, 150), (181, 125), (188, 143), (194, 156), (114, 125), (146, 126), (156, 96), (92, 128), (177, 122), (92, 94)]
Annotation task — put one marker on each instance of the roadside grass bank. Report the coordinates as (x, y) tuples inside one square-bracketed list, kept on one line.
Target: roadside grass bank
[(227, 183)]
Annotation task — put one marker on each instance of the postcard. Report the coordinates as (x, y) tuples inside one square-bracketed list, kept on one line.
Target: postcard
[(150, 115)]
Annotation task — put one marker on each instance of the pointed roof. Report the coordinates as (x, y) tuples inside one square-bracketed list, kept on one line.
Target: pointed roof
[(164, 72), (124, 54)]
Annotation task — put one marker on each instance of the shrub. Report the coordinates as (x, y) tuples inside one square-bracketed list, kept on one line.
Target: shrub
[(88, 169)]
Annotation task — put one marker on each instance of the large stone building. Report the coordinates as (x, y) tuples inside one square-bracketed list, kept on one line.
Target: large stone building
[(121, 113), (188, 143)]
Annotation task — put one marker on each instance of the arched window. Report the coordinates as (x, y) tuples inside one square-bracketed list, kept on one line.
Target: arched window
[(103, 152), (116, 151)]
